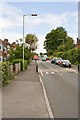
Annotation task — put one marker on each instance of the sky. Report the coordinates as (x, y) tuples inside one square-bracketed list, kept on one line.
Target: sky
[(50, 15)]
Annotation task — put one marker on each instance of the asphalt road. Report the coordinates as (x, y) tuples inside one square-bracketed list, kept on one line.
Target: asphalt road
[(61, 86)]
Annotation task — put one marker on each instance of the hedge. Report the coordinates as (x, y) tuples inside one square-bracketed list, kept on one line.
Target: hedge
[(21, 62), (0, 75), (72, 55), (6, 75)]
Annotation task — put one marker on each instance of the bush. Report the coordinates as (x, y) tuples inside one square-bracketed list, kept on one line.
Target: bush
[(28, 61), (59, 54), (6, 75), (72, 55), (0, 75), (21, 63)]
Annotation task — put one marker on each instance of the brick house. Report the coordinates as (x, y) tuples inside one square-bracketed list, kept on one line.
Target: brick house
[(4, 49)]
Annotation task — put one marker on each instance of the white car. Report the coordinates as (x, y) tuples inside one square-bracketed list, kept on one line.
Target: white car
[(44, 59), (65, 63)]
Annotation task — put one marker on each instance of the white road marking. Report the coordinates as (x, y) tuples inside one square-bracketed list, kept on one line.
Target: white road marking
[(47, 73), (40, 72), (46, 99), (52, 73)]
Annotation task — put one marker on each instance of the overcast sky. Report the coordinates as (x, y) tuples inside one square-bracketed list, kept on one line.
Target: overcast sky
[(50, 15)]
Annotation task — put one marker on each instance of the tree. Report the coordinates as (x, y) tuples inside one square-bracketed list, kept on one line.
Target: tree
[(31, 40), (55, 38), (18, 52), (50, 52), (11, 54), (69, 43)]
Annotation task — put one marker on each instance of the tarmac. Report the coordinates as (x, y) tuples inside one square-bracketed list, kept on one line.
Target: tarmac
[(23, 97)]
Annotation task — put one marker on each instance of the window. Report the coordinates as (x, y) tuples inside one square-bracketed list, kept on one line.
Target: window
[(1, 46)]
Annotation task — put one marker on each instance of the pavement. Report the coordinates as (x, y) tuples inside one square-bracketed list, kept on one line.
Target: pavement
[(75, 67), (23, 97)]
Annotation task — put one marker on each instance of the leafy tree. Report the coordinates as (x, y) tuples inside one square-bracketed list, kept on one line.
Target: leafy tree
[(60, 48), (18, 53), (11, 54), (50, 52), (69, 43), (55, 38), (31, 40)]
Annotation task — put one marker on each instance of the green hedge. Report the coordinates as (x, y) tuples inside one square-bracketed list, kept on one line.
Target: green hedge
[(21, 62), (73, 55), (6, 75), (0, 75)]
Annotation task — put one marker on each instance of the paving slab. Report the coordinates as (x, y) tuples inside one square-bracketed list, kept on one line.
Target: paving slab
[(23, 97)]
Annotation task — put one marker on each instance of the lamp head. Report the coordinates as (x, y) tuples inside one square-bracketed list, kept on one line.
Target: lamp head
[(33, 14)]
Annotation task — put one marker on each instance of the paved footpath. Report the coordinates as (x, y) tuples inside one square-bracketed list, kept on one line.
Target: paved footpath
[(23, 97)]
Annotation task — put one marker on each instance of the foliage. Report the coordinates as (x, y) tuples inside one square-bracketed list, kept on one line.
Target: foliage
[(50, 52), (59, 54), (18, 53), (21, 62), (55, 38), (6, 75), (12, 54), (69, 44), (58, 39), (31, 40), (59, 44), (0, 74), (60, 48), (73, 55)]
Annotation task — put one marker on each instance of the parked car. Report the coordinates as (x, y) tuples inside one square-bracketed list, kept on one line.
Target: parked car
[(36, 57), (65, 63), (44, 59), (58, 61), (47, 58), (53, 60)]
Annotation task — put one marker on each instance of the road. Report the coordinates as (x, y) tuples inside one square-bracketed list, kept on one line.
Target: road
[(61, 85)]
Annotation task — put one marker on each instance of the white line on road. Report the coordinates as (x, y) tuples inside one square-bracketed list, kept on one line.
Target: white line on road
[(46, 99), (52, 73), (47, 73), (40, 71)]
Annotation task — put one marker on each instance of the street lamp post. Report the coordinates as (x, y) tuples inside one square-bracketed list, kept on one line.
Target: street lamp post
[(23, 34)]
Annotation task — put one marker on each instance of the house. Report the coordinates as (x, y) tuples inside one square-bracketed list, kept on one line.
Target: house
[(4, 49)]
